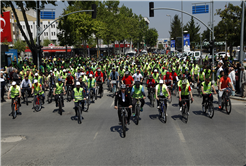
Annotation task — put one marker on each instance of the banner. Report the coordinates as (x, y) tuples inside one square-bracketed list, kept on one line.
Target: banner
[(5, 29), (172, 45), (186, 42)]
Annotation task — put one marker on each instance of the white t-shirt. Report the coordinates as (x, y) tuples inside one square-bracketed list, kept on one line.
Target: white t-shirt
[(137, 77)]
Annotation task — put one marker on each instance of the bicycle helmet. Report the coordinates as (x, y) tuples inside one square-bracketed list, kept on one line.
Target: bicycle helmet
[(13, 83), (123, 86), (78, 83), (127, 72), (59, 79), (35, 81)]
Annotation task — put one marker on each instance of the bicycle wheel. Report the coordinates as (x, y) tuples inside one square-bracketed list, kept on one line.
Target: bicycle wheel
[(101, 94), (170, 100), (14, 114), (123, 125), (164, 114), (186, 113), (228, 106), (211, 110), (96, 91), (69, 95), (26, 97), (152, 100), (79, 115), (137, 114), (49, 97), (60, 106)]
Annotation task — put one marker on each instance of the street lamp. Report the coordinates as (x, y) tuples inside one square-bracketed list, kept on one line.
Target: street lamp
[(170, 28)]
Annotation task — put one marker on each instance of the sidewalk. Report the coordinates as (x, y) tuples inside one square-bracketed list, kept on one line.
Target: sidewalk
[(237, 97)]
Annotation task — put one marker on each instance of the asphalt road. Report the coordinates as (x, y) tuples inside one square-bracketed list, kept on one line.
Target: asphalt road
[(52, 139)]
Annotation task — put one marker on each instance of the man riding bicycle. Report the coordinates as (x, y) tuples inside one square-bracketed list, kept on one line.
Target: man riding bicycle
[(150, 82), (26, 85), (91, 83), (206, 90), (99, 79), (37, 89), (69, 81), (14, 91), (78, 96), (123, 99), (137, 92), (128, 80), (114, 76), (59, 88), (184, 91), (161, 90)]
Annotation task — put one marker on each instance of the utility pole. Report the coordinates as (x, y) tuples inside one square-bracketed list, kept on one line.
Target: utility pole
[(38, 30), (241, 59), (182, 27), (213, 41)]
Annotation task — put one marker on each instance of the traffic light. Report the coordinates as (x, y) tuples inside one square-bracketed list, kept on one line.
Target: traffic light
[(151, 12), (211, 47), (94, 13)]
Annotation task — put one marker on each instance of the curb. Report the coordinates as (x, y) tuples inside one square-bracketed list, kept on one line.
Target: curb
[(238, 98)]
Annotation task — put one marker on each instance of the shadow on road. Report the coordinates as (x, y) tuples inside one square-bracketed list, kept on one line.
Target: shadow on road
[(200, 113), (118, 129), (175, 105), (153, 117)]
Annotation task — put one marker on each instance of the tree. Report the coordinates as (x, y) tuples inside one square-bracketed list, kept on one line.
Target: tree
[(206, 34), (46, 42), (160, 46), (229, 28), (193, 31), (176, 29), (26, 5), (20, 46), (151, 37)]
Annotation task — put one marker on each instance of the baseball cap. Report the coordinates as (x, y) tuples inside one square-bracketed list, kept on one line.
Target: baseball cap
[(77, 83), (35, 81), (64, 70), (90, 75), (36, 74), (55, 69), (155, 70), (13, 83)]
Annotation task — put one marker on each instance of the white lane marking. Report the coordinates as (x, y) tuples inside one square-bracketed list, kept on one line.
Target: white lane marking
[(95, 136), (181, 136)]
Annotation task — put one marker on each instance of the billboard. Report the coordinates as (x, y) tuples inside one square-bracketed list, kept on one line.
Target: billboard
[(6, 30), (47, 15), (172, 45), (13, 54), (186, 42)]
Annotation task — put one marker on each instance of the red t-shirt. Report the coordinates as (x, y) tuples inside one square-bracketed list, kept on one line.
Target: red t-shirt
[(188, 89), (70, 80), (224, 82), (150, 82), (88, 72), (99, 77), (174, 75), (128, 81), (167, 79)]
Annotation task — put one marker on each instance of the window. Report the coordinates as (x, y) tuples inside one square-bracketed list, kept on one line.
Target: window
[(31, 26), (44, 26), (54, 33)]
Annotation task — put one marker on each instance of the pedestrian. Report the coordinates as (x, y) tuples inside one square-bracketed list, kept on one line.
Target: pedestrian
[(238, 69), (243, 81), (232, 77), (3, 82)]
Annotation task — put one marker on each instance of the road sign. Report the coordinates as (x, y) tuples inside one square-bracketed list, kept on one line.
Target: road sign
[(47, 15), (201, 9)]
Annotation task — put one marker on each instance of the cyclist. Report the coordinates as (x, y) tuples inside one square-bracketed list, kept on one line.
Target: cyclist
[(14, 91), (91, 83), (138, 76), (156, 76), (123, 99), (184, 91), (161, 90), (26, 85), (114, 75), (137, 92), (168, 79), (128, 80), (37, 89), (69, 81), (206, 90), (58, 90), (78, 95), (150, 82), (99, 79), (224, 82), (219, 76)]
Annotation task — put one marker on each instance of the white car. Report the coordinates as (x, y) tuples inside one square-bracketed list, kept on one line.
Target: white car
[(222, 54)]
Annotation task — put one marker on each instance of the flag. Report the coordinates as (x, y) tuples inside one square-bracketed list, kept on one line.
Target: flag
[(5, 28)]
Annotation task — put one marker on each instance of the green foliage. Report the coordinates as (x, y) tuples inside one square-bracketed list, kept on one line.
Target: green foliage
[(160, 46), (151, 37), (46, 42), (20, 46), (176, 29)]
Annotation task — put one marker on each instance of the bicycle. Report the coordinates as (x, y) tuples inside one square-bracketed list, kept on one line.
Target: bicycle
[(37, 102), (226, 100), (50, 94), (91, 95), (79, 111), (185, 112), (69, 93), (169, 91), (208, 105), (124, 119), (100, 90), (26, 96), (113, 83), (163, 108), (15, 107), (199, 89), (152, 96), (137, 110), (60, 103)]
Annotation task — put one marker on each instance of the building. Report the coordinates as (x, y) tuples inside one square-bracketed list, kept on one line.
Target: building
[(50, 33), (164, 41)]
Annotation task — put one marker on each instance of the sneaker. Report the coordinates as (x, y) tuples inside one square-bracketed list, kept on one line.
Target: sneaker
[(188, 113), (133, 114), (56, 105), (158, 107), (219, 107), (10, 114), (141, 109), (120, 123), (128, 122), (180, 109), (19, 113), (166, 114)]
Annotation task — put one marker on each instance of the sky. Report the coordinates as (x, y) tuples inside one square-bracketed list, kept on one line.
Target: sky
[(160, 21)]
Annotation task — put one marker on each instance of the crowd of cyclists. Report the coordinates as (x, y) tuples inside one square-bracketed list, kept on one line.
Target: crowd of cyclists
[(126, 77)]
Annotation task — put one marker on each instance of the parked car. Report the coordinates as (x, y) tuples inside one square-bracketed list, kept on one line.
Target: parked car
[(222, 54)]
